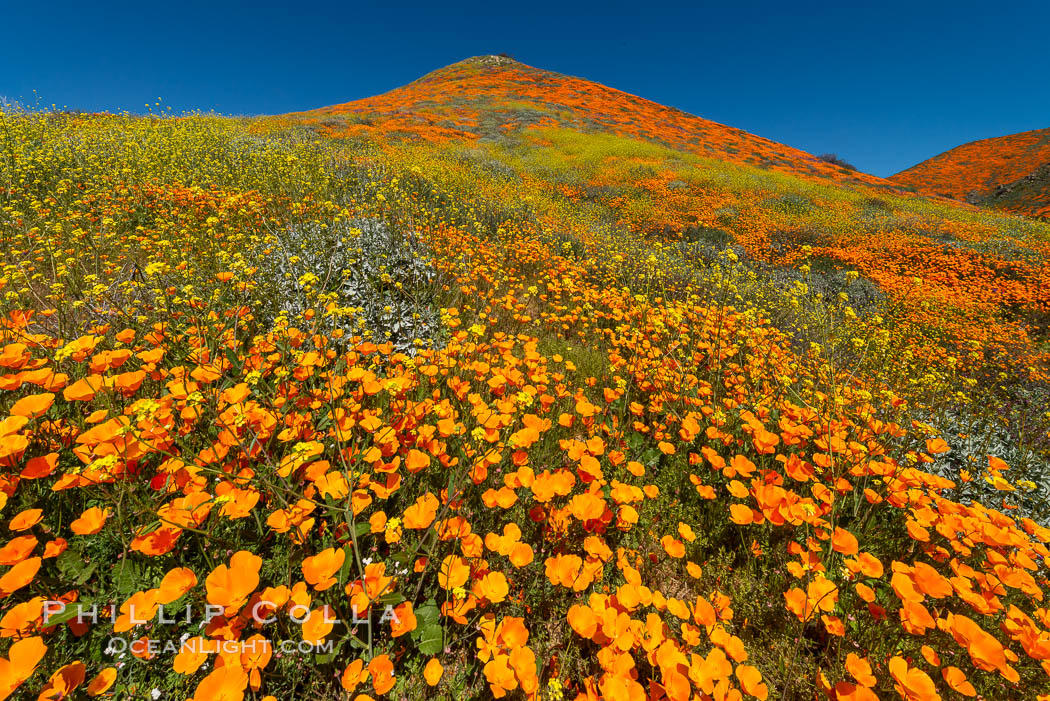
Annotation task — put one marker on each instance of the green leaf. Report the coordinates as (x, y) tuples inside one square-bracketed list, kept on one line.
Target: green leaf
[(330, 656), (69, 613), (391, 598), (73, 567), (426, 615), (126, 577), (431, 642), (348, 560), (651, 457)]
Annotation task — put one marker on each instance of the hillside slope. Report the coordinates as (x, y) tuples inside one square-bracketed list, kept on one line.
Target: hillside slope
[(484, 96), (1003, 172), (565, 412)]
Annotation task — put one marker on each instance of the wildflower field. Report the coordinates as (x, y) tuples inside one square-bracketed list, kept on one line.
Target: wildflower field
[(297, 409)]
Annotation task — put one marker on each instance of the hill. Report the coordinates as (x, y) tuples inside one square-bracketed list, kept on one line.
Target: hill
[(401, 403), (486, 96), (1006, 172)]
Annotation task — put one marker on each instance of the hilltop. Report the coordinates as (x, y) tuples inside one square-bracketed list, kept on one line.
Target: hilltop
[(486, 96), (1005, 172)]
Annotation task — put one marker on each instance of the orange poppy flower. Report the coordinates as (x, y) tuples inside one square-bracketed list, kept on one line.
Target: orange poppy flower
[(860, 669), (911, 682), (954, 678), (930, 655), (38, 467), (230, 586), (226, 683), (353, 675), (521, 554), (318, 625), (26, 519), (63, 682), (986, 652), (22, 658), (844, 542), (157, 542), (739, 465), (844, 691), (869, 565), (102, 682), (402, 619), (738, 489), (741, 514), (493, 586), (583, 620), (672, 546), (432, 672), (417, 460), (20, 619), (19, 576), (83, 390), (320, 570), (421, 513), (90, 522), (751, 682), (176, 583), (454, 572), (55, 547), (33, 406), (382, 671), (930, 582), (936, 445), (17, 549), (563, 569)]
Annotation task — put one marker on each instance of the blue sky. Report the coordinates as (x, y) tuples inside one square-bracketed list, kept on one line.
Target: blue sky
[(883, 84)]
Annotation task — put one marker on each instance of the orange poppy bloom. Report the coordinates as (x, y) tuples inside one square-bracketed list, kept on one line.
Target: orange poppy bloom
[(22, 658), (353, 675), (33, 406), (230, 586), (382, 671), (17, 549), (844, 542), (954, 678), (90, 522), (226, 683), (454, 572), (583, 620), (320, 569), (860, 669), (673, 547), (19, 576), (102, 682), (64, 682), (911, 682), (421, 513), (493, 586), (432, 672), (176, 583), (417, 460), (741, 514), (402, 619), (318, 625), (26, 519), (751, 682), (38, 467)]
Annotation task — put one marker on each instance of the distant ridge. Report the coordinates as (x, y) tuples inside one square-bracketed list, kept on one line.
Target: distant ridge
[(1007, 172)]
